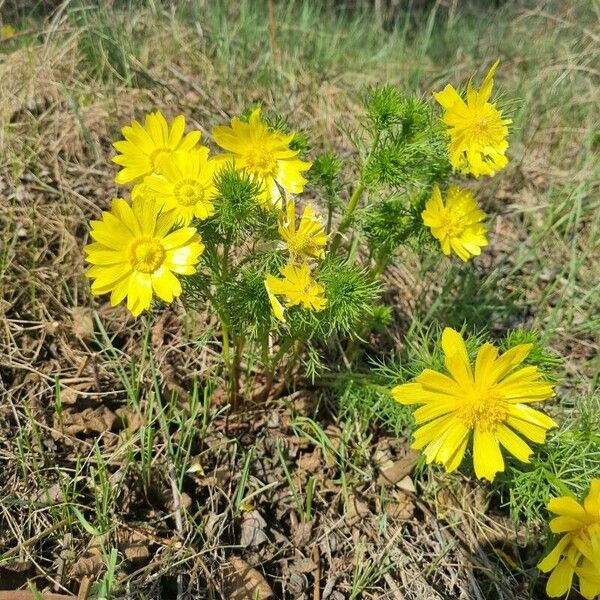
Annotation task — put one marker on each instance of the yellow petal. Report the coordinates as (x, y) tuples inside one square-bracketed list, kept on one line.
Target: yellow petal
[(551, 560), (455, 460), (592, 501), (438, 382), (176, 132), (560, 579), (486, 88), (277, 307), (460, 371), (484, 364), (434, 429), (566, 507), (453, 440), (448, 97), (564, 524), (457, 358), (139, 295), (453, 343), (408, 393), (487, 458), (436, 408), (589, 586), (166, 285), (513, 443)]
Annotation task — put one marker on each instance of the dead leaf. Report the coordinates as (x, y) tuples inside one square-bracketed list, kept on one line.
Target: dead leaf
[(252, 529), (401, 506), (357, 510), (90, 562), (243, 582), (131, 544), (303, 565), (302, 533), (83, 322), (88, 420), (399, 470), (310, 462)]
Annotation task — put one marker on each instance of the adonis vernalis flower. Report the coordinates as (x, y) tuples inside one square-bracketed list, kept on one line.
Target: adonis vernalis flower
[(456, 223), (297, 287), (185, 184), (476, 128), (490, 402), (578, 550), (135, 254), (265, 154), (308, 239), (143, 148)]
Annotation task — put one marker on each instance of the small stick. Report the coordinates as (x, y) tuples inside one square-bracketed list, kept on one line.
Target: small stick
[(33, 539)]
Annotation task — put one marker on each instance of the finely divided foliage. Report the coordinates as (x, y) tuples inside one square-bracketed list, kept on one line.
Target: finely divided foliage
[(282, 276)]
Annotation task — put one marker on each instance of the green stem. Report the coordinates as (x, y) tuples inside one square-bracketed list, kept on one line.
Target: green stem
[(380, 265), (231, 361), (353, 202), (347, 220), (298, 346), (329, 217), (226, 351), (376, 271)]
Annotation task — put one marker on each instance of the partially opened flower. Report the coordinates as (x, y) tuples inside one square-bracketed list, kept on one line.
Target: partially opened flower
[(265, 154), (456, 223), (135, 254), (297, 288), (308, 239), (489, 403), (476, 128), (185, 184), (578, 550), (143, 148)]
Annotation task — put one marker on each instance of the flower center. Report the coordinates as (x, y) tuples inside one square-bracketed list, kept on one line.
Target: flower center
[(189, 192), (299, 243), (146, 254), (484, 411), (452, 223), (261, 162), (157, 155)]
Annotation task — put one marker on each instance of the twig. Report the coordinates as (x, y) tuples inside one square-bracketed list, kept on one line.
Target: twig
[(316, 558), (33, 539)]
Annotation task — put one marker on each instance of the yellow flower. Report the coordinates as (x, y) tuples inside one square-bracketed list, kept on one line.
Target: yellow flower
[(144, 147), (308, 239), (490, 401), (185, 184), (265, 154), (7, 31), (297, 287), (578, 550), (456, 224), (476, 128), (134, 255)]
